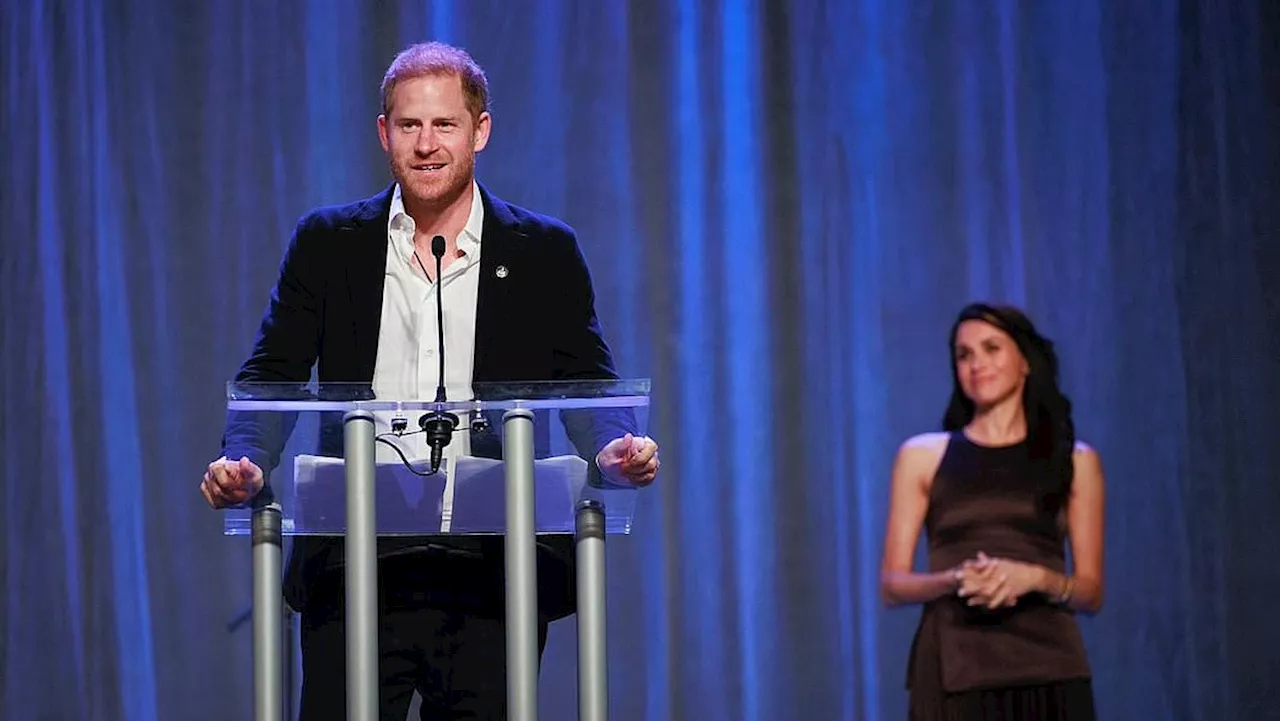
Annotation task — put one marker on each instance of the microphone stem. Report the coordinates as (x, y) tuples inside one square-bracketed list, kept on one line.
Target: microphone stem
[(438, 424), (440, 394)]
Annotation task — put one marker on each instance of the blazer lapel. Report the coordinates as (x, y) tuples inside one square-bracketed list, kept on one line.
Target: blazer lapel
[(499, 257), (364, 244)]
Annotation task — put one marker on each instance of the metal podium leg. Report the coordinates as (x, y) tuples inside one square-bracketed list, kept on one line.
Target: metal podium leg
[(361, 569), (522, 589), (268, 612), (593, 681)]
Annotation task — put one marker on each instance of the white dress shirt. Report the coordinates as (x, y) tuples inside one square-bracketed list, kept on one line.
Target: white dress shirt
[(407, 364)]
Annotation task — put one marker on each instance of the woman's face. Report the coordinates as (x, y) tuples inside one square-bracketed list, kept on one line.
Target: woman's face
[(989, 366)]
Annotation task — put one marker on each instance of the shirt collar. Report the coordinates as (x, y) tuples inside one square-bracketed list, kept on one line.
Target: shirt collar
[(400, 226)]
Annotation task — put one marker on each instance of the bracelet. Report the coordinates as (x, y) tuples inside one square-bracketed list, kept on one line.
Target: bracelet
[(1068, 585)]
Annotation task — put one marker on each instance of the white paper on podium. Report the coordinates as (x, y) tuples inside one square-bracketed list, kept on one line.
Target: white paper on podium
[(405, 502), (480, 494), (475, 502)]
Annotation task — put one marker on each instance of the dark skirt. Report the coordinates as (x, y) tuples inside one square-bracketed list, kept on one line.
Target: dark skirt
[(1066, 697), (1061, 701)]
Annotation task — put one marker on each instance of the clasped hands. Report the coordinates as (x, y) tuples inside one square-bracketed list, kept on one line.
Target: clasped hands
[(996, 582)]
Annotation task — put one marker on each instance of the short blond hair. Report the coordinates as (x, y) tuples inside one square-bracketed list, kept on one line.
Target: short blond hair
[(436, 58)]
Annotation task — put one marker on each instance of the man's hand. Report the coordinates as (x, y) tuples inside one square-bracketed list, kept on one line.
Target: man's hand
[(231, 483), (629, 460)]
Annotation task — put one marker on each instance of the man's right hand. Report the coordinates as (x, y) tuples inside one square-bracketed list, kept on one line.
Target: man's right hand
[(231, 483)]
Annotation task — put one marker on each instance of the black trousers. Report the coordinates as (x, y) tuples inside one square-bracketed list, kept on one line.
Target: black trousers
[(453, 653)]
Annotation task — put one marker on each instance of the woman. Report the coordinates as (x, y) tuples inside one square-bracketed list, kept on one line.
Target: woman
[(999, 495)]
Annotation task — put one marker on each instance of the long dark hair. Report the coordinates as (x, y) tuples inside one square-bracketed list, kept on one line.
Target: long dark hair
[(1051, 434)]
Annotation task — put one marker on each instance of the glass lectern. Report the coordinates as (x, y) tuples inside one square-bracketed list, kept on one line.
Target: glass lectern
[(359, 462)]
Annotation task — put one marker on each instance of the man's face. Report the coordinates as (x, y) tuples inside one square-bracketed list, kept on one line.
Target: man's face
[(431, 138)]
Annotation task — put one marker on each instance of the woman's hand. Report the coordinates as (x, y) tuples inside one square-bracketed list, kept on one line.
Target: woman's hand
[(997, 582)]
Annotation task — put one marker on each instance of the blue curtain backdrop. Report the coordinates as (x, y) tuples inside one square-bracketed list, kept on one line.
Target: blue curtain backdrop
[(783, 205)]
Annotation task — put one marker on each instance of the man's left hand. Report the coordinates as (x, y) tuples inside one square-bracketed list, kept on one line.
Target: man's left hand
[(629, 460)]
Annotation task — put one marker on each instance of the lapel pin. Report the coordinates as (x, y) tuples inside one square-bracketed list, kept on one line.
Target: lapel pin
[(502, 271)]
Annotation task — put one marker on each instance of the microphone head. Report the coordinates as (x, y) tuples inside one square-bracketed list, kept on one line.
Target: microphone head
[(437, 246)]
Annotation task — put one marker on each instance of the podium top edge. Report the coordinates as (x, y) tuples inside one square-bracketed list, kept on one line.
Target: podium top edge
[(420, 405), (570, 394)]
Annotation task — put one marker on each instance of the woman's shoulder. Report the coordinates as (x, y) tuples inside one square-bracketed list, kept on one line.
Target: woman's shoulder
[(1083, 449), (928, 440), (926, 445), (920, 456), (1088, 464)]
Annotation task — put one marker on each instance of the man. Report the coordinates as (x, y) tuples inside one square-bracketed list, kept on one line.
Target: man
[(355, 297)]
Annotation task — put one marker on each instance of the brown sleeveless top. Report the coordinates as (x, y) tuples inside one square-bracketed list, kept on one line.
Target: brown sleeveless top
[(989, 499)]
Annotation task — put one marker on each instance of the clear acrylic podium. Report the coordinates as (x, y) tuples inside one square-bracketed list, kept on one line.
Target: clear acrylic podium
[(342, 460)]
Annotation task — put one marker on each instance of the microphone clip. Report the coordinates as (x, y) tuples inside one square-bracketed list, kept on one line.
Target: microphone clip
[(439, 427)]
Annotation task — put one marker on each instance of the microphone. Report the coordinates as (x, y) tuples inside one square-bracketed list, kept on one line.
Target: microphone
[(438, 425)]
